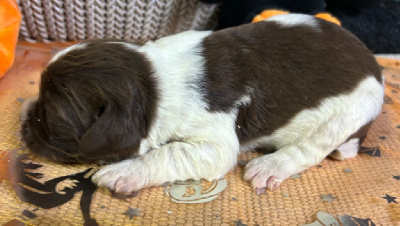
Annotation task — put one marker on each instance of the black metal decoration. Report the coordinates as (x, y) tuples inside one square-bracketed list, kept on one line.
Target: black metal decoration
[(45, 195)]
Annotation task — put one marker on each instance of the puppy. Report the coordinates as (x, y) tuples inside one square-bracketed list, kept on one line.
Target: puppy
[(185, 106)]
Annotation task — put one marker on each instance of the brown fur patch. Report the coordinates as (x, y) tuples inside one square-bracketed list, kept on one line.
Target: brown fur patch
[(283, 69)]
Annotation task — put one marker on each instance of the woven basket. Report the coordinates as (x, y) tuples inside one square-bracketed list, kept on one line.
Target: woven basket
[(72, 20)]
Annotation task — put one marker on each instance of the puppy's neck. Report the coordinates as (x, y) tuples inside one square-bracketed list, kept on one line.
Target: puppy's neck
[(178, 67)]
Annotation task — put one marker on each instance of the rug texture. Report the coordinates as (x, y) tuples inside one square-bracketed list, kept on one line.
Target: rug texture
[(364, 190)]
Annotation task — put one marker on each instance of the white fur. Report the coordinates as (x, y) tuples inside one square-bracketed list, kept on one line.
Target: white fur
[(205, 144), (290, 20), (245, 100), (84, 45), (314, 133), (178, 69), (65, 51), (346, 150), (126, 44)]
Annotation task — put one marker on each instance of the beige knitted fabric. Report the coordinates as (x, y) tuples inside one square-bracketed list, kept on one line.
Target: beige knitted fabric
[(71, 20)]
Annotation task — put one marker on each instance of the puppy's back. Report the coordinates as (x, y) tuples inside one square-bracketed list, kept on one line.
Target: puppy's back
[(285, 65)]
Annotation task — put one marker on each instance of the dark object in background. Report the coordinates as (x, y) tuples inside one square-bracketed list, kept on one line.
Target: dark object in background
[(236, 12), (355, 4), (375, 22), (377, 26)]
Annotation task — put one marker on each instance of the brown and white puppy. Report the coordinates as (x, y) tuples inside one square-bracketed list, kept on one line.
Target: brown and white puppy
[(186, 105)]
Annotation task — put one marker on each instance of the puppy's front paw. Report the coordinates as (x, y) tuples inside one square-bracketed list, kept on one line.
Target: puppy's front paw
[(268, 171), (124, 177)]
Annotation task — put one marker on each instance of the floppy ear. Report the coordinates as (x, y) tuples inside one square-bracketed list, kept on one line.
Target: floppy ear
[(115, 135)]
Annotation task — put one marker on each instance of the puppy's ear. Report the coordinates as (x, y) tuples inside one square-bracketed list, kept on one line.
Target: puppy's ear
[(115, 135)]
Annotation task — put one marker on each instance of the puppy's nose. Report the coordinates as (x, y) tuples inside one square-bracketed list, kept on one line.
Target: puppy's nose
[(26, 105)]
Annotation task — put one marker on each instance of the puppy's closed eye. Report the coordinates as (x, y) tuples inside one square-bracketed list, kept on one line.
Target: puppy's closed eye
[(100, 111)]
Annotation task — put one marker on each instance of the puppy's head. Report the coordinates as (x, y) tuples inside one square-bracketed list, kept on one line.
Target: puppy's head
[(96, 102)]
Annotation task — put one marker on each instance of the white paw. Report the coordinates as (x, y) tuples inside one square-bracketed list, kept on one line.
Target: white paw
[(124, 177), (269, 171), (346, 150)]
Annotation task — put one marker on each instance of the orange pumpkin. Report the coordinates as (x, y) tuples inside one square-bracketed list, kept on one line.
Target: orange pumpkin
[(10, 18)]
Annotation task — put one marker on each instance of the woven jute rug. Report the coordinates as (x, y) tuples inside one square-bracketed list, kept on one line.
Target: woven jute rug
[(361, 191)]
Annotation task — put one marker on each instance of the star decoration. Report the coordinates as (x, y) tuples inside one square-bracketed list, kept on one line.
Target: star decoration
[(242, 162), (390, 199), (388, 100), (396, 177), (328, 198), (21, 99), (324, 218), (239, 223), (349, 220), (382, 138), (297, 175), (348, 170), (28, 214), (132, 213), (371, 151)]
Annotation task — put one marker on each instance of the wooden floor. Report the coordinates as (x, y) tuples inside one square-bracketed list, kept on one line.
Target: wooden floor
[(30, 59)]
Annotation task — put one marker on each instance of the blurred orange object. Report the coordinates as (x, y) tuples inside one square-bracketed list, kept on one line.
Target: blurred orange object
[(328, 17), (273, 12), (268, 13), (10, 18)]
